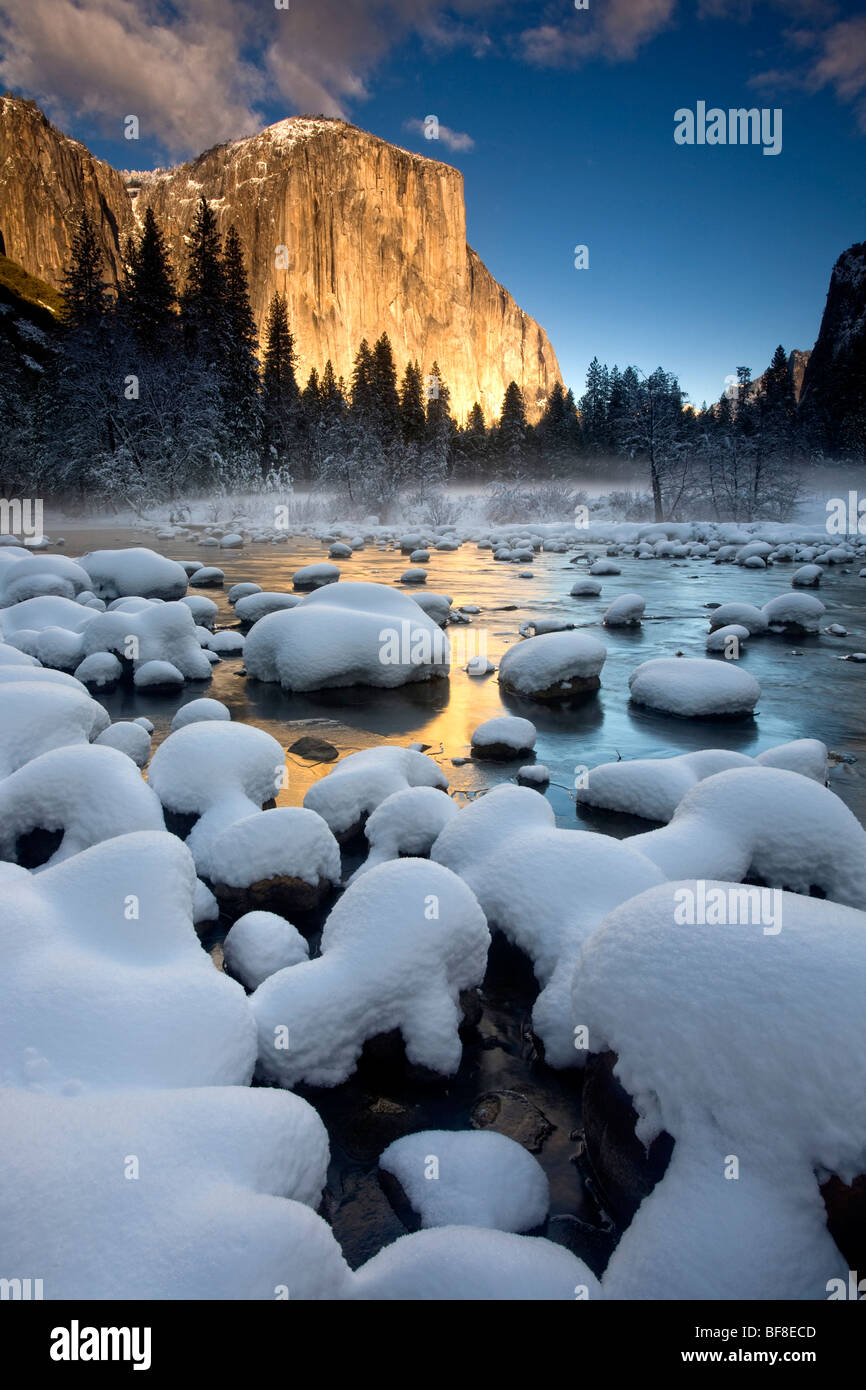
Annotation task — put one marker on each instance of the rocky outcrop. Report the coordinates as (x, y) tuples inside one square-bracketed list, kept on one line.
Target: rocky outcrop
[(797, 362), (45, 180), (363, 237), (833, 399)]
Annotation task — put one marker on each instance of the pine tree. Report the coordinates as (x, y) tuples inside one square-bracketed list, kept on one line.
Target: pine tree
[(440, 427), (83, 288), (148, 296), (281, 405), (594, 405), (363, 387), (412, 410), (385, 393), (203, 299), (240, 384), (512, 428)]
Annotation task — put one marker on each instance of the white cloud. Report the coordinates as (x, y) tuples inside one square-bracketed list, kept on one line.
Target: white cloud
[(454, 139), (200, 72)]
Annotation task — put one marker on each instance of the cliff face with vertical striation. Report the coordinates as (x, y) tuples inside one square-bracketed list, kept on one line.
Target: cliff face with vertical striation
[(363, 237), (834, 384)]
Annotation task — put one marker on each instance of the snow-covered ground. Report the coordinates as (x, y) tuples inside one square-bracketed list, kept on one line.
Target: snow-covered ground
[(288, 757)]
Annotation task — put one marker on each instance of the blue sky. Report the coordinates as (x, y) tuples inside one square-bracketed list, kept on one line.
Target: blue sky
[(700, 258)]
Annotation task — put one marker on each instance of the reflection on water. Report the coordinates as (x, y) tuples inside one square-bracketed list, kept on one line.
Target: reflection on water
[(808, 691)]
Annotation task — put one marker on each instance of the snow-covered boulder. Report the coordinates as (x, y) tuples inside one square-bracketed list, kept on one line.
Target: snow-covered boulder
[(215, 773), (555, 666), (284, 860), (469, 1178), (33, 576), (463, 1263), (504, 737), (100, 671), (361, 782), (436, 606), (316, 576), (251, 607), (654, 787), (239, 591), (763, 823), (196, 711), (396, 952), (163, 632), (203, 610), (585, 588), (85, 792), (158, 676), (214, 1189), (727, 639), (604, 567), (744, 614), (415, 575), (127, 737), (794, 613), (105, 982), (407, 823), (261, 943), (207, 577), (347, 634), (694, 688), (122, 573), (660, 984), (225, 642), (37, 715), (547, 889), (807, 577), (625, 611)]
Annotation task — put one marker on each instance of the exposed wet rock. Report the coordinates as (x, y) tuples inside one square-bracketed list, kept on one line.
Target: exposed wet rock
[(846, 1217), (512, 1114), (318, 750), (625, 1171), (282, 894)]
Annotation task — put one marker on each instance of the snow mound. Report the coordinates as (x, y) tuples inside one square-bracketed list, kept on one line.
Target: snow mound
[(197, 711), (396, 951), (163, 632), (654, 787), (37, 715), (286, 842), (785, 1111), (794, 613), (506, 736), (604, 567), (316, 576), (157, 675), (694, 687), (127, 737), (89, 793), (625, 611), (36, 575), (105, 982), (347, 634), (213, 1189), (102, 670), (743, 614), (261, 943), (361, 782), (807, 577), (765, 823), (406, 823), (719, 640), (585, 588), (546, 889), (466, 1264), (140, 572), (554, 666), (475, 1178), (251, 607), (218, 771)]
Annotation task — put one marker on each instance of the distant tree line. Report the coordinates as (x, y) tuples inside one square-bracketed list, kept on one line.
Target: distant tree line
[(161, 390)]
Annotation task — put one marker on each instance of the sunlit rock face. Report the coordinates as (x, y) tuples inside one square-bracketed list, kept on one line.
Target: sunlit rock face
[(364, 238)]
